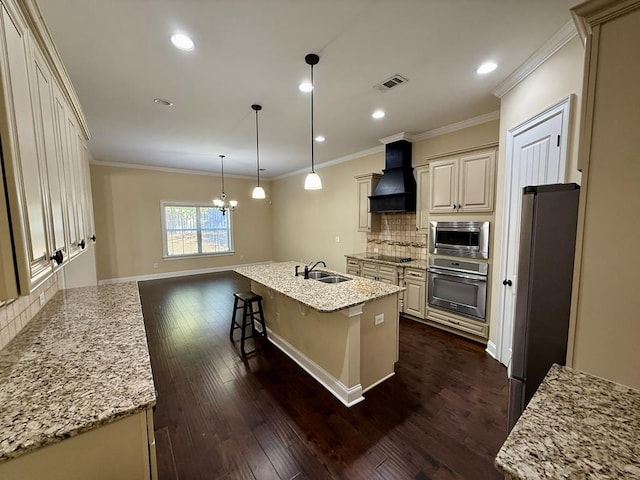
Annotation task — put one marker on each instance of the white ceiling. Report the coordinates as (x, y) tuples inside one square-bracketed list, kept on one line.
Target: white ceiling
[(119, 57)]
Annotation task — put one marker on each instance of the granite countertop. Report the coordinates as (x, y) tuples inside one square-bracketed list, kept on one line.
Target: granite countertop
[(420, 264), (576, 426), (80, 363), (324, 297)]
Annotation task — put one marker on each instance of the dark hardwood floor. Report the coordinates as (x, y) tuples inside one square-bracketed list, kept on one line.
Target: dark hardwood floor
[(442, 416)]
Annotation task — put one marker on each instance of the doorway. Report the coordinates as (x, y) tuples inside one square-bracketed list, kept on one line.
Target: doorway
[(536, 155)]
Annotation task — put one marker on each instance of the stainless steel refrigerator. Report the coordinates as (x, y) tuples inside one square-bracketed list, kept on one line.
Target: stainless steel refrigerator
[(543, 295)]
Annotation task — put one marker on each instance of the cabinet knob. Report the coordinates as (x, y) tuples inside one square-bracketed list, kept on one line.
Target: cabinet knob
[(507, 282), (93, 238), (58, 257), (82, 244)]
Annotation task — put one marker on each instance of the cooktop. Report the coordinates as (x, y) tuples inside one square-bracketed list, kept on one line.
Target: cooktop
[(390, 258)]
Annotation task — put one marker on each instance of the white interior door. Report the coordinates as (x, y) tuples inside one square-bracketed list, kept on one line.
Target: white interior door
[(536, 155)]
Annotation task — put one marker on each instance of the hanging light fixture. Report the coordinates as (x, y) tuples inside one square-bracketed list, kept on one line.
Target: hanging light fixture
[(221, 203), (312, 182), (258, 191)]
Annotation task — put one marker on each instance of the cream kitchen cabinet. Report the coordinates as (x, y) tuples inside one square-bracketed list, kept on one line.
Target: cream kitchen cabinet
[(122, 449), (22, 162), (44, 160), (467, 327), (462, 183), (422, 199), (367, 221), (415, 294), (353, 266)]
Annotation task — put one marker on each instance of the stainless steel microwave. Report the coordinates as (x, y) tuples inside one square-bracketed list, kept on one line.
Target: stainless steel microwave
[(459, 239)]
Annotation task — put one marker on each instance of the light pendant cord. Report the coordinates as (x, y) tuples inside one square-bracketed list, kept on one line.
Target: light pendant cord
[(222, 161), (257, 151), (312, 89)]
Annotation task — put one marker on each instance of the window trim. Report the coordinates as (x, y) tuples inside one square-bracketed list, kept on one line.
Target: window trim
[(165, 252)]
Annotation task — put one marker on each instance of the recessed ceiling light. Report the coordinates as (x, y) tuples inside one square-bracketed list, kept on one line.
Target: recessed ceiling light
[(305, 87), (182, 41), (486, 68), (378, 114), (320, 138), (162, 101)]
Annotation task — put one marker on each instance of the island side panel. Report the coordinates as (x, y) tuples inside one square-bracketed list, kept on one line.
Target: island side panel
[(378, 343), (320, 337)]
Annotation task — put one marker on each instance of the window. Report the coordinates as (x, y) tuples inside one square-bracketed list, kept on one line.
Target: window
[(190, 229)]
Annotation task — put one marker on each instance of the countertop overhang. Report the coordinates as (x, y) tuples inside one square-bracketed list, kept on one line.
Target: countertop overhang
[(323, 297), (80, 363), (576, 426)]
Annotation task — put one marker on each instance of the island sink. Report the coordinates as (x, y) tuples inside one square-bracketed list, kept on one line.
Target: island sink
[(333, 279)]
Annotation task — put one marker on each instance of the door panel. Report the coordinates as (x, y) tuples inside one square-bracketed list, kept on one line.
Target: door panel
[(444, 178)]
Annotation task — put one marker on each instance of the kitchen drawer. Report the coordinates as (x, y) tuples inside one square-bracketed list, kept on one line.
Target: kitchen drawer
[(353, 271), (470, 326), (415, 274), (370, 266), (351, 262)]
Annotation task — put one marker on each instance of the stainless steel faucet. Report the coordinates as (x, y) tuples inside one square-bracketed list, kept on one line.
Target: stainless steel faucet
[(307, 269)]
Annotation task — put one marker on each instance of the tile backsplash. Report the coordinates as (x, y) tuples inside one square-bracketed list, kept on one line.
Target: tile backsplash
[(15, 315), (398, 237)]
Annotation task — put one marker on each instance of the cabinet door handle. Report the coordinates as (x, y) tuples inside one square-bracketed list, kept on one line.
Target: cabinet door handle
[(58, 257), (93, 238), (507, 282), (81, 244)]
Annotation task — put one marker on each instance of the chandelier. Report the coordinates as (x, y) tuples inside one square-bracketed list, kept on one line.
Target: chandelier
[(221, 203)]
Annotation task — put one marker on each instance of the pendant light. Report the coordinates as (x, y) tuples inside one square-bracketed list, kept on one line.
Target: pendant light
[(312, 182), (258, 191), (221, 203)]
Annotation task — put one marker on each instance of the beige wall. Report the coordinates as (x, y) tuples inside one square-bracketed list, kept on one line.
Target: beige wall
[(560, 76), (317, 217), (305, 223), (607, 330), (128, 224)]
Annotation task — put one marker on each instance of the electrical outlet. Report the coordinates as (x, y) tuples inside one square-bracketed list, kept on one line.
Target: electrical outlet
[(155, 265), (379, 318), (337, 239), (42, 299), (375, 250)]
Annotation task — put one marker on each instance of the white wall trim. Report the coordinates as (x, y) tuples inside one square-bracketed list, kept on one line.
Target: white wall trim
[(454, 127), (491, 349), (170, 169), (180, 273), (346, 158), (551, 46), (375, 384), (398, 136), (348, 396)]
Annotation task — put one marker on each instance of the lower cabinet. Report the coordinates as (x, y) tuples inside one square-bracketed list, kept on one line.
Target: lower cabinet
[(353, 266), (123, 449), (416, 292), (464, 326)]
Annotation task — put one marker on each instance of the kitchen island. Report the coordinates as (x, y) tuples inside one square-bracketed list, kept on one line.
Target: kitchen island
[(576, 426), (345, 334), (76, 390)]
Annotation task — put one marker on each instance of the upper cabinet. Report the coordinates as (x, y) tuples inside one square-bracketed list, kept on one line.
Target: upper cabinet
[(462, 183), (367, 221), (44, 157), (422, 199)]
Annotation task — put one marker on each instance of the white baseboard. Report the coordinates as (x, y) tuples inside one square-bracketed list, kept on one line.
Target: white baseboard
[(364, 390), (491, 349), (181, 273), (348, 396)]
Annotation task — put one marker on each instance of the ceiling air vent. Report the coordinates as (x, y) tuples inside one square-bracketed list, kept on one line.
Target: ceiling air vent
[(391, 82)]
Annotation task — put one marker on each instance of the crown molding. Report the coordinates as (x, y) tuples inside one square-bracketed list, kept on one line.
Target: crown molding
[(346, 158), (595, 12), (171, 170), (470, 122), (398, 136), (41, 35), (551, 46)]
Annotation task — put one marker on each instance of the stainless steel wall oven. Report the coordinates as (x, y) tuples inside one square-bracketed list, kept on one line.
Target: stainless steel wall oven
[(459, 239), (458, 286)]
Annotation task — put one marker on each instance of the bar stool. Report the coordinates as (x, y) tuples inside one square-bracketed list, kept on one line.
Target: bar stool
[(245, 301)]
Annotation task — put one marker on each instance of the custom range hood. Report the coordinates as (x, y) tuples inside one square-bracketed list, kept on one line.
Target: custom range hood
[(396, 191)]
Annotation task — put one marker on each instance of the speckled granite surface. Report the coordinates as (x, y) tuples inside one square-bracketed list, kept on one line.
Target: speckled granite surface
[(80, 363), (324, 297), (412, 264), (576, 427)]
